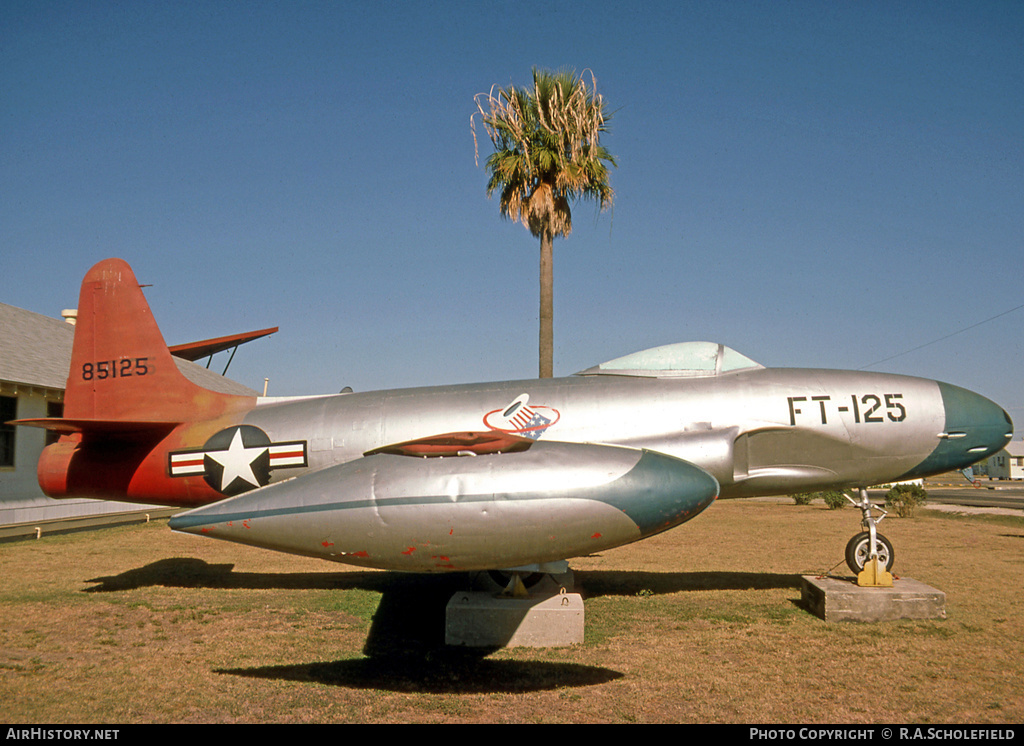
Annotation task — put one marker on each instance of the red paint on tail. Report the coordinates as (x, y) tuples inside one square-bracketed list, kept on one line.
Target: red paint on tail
[(121, 369), (126, 405)]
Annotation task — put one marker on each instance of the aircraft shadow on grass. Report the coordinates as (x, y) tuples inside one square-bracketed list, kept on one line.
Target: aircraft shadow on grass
[(188, 572), (404, 649)]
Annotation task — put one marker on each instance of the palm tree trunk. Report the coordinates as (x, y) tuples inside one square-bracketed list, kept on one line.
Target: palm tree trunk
[(547, 312)]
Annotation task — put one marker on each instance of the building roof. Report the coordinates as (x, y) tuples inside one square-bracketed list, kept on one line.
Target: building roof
[(1015, 448), (35, 350)]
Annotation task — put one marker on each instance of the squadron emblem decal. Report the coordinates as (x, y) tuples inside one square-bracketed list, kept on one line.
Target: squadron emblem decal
[(522, 418), (237, 459)]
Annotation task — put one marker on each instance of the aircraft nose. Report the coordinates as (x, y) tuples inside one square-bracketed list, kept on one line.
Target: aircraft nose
[(976, 427)]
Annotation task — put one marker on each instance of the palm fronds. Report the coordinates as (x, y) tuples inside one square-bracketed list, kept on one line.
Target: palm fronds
[(547, 151)]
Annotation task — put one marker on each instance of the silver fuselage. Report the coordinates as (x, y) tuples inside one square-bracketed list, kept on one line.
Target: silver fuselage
[(758, 432)]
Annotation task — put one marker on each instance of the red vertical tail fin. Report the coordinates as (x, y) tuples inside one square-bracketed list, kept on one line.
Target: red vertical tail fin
[(126, 404), (121, 369)]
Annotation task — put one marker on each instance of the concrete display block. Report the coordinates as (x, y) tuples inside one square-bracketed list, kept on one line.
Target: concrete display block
[(840, 600), (474, 619)]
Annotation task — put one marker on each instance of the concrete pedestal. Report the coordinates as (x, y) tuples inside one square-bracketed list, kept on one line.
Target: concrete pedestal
[(840, 600), (475, 619)]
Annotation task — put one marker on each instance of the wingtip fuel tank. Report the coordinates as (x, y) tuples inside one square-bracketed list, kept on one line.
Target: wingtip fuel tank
[(548, 501)]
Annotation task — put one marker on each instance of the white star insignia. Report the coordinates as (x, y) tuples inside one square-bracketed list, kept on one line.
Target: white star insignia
[(237, 461)]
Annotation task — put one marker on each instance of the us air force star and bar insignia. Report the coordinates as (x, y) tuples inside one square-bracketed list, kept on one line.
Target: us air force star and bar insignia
[(238, 459)]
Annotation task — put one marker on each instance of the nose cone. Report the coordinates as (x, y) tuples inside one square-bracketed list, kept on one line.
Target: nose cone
[(976, 428), (980, 425)]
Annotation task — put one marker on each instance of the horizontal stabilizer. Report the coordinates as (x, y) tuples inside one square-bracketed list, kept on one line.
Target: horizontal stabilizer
[(98, 427), (196, 350)]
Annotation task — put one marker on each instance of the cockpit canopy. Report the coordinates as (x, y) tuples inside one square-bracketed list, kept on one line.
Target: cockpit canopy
[(683, 360)]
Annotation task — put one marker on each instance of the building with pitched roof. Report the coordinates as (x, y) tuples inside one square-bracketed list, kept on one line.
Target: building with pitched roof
[(1008, 463)]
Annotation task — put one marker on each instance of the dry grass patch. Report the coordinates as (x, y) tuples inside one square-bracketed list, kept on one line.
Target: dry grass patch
[(700, 624)]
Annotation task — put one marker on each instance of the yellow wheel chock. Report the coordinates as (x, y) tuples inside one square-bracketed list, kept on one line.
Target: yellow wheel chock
[(874, 575)]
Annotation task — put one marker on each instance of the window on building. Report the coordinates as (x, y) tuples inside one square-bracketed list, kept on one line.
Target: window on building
[(8, 411)]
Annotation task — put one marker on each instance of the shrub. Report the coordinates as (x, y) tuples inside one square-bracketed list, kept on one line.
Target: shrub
[(904, 499), (834, 499)]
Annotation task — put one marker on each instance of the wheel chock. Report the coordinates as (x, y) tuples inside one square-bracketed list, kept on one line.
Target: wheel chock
[(874, 575)]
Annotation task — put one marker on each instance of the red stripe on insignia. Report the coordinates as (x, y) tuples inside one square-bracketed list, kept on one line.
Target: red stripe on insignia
[(186, 462)]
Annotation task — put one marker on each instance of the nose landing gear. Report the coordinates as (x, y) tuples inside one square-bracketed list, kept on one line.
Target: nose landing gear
[(858, 551), (869, 554)]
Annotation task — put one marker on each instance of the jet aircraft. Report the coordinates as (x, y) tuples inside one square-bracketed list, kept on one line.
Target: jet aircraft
[(514, 476)]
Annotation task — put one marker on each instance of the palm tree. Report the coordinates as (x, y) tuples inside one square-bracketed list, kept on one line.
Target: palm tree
[(546, 154)]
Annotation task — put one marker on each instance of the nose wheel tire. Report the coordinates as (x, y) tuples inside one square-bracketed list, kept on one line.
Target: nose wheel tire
[(859, 548)]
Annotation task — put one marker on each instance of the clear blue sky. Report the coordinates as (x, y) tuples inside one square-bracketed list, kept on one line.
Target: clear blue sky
[(821, 184)]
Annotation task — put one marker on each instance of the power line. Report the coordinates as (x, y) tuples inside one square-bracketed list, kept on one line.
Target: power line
[(940, 339)]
